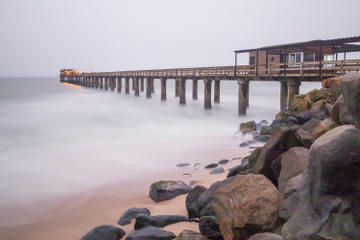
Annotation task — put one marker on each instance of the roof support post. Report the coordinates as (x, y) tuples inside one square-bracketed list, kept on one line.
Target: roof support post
[(257, 62), (235, 64), (195, 89)]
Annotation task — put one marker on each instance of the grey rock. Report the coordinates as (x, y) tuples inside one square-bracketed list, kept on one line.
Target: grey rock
[(205, 200), (223, 161), (193, 182), (183, 164), (267, 130), (166, 190), (350, 88), (291, 197), (341, 112), (151, 233), (104, 232), (217, 171), (309, 114), (266, 236), (209, 228), (262, 138), (304, 133), (190, 235), (211, 165), (130, 214), (237, 170), (192, 199), (158, 221)]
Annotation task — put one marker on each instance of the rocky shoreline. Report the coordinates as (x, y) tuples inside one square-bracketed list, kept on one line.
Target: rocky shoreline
[(301, 184)]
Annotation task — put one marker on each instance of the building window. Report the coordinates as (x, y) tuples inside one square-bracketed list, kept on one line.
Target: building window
[(252, 60), (309, 57), (294, 57)]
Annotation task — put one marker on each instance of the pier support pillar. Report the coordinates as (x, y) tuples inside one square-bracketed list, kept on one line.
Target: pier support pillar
[(177, 87), (112, 83), (207, 93), (152, 85), (195, 89), (142, 84), (101, 81), (136, 87), (133, 84), (163, 89), (293, 89), (127, 85), (217, 91), (106, 83), (148, 88), (182, 99), (283, 95), (243, 96), (119, 84), (96, 82)]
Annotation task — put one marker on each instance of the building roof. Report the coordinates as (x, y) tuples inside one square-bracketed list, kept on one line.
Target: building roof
[(339, 44)]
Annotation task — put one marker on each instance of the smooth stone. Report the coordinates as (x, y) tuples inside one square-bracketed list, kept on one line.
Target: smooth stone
[(183, 164), (217, 171), (166, 190), (190, 235), (104, 232), (350, 88), (160, 221), (223, 161), (192, 201), (266, 236), (150, 233), (211, 165), (209, 228), (130, 214)]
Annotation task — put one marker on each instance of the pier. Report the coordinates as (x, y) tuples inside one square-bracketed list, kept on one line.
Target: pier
[(288, 64)]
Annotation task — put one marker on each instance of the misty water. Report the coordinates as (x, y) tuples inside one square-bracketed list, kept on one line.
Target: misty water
[(57, 140)]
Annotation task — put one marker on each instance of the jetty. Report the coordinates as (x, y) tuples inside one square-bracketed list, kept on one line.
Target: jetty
[(288, 64)]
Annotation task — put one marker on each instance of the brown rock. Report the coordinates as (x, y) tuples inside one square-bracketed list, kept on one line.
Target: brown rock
[(331, 82), (245, 205), (318, 104), (324, 126), (190, 235)]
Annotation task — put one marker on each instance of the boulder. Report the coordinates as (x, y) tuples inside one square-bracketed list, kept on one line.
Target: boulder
[(130, 214), (104, 232), (293, 163), (209, 228), (151, 233), (309, 114), (330, 82), (329, 200), (340, 113), (291, 197), (324, 126), (217, 171), (166, 190), (206, 200), (304, 132), (262, 138), (211, 165), (282, 140), (190, 235), (318, 104), (245, 205), (192, 200), (350, 88), (267, 130), (223, 161), (266, 236), (247, 127), (158, 221)]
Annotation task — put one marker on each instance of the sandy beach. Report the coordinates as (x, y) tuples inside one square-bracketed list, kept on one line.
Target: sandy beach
[(106, 204)]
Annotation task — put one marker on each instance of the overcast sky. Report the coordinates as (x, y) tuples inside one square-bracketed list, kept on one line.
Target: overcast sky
[(38, 37)]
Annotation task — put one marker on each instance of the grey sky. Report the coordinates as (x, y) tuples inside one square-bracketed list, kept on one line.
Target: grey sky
[(38, 37)]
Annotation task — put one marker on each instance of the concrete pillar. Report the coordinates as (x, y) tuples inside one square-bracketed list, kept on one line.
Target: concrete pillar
[(293, 89), (112, 83), (283, 95), (182, 99), (133, 84), (163, 89), (127, 85), (142, 84), (207, 93), (101, 81), (119, 84), (243, 96), (96, 82), (148, 88), (152, 85), (136, 87), (177, 87), (106, 83), (217, 91), (195, 89)]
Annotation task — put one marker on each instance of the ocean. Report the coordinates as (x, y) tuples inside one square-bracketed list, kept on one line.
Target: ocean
[(58, 140)]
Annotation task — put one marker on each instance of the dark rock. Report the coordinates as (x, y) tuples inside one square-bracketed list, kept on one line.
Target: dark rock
[(158, 221), (350, 88), (245, 205), (263, 123), (282, 140), (151, 233), (262, 138), (341, 112), (223, 161), (192, 199), (205, 200), (267, 130), (293, 162), (244, 144), (211, 165), (304, 133), (217, 171), (236, 158), (209, 228), (104, 232), (248, 127), (266, 236), (190, 235), (183, 164), (165, 190), (309, 114), (130, 214), (236, 170), (193, 182), (251, 160), (329, 200)]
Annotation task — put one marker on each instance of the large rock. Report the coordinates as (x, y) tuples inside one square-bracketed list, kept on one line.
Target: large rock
[(309, 114), (209, 228), (304, 132), (247, 127), (282, 140), (166, 190), (205, 201), (329, 200), (266, 236), (158, 221), (192, 201), (132, 213), (293, 162), (340, 113), (151, 233), (245, 205), (104, 232), (190, 235), (350, 88), (324, 126)]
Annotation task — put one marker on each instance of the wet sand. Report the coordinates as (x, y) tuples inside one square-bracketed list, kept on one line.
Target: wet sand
[(106, 204)]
